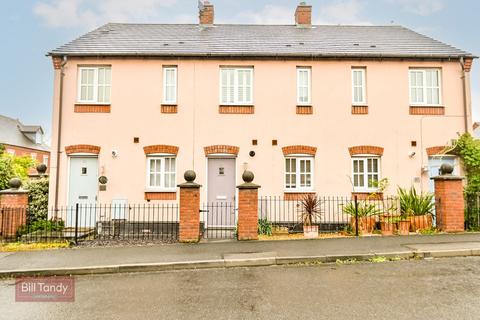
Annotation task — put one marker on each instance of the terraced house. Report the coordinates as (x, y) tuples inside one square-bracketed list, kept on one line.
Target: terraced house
[(308, 108)]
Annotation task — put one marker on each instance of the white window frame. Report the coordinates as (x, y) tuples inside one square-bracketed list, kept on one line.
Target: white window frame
[(94, 99), (364, 158), (33, 155), (175, 73), (424, 86), (162, 187), (298, 158), (309, 86), (363, 71), (10, 152), (45, 160), (236, 86)]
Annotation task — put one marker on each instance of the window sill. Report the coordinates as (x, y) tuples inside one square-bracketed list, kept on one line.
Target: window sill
[(92, 108), (427, 110), (359, 109), (168, 108), (160, 195), (296, 195), (370, 195), (236, 109), (304, 109)]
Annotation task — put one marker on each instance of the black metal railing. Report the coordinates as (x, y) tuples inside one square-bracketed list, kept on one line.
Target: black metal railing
[(91, 222), (219, 220)]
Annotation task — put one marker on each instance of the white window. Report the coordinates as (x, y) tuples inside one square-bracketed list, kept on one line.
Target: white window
[(94, 85), (299, 173), (11, 152), (45, 160), (33, 155), (170, 85), (366, 173), (161, 173), (359, 86), (425, 87), (236, 86), (304, 86)]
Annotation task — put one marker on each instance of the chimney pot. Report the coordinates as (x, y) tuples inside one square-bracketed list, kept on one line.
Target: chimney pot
[(303, 15), (206, 12)]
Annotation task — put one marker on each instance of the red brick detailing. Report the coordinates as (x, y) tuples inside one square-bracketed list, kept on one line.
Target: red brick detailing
[(160, 196), (295, 196), (427, 111), (57, 63), (92, 108), (13, 212), (449, 204), (304, 110), (366, 150), (169, 108), (21, 151), (435, 150), (248, 214), (82, 148), (189, 229), (299, 150), (160, 148), (468, 64), (359, 109), (221, 149), (367, 195), (303, 15), (207, 14), (236, 109)]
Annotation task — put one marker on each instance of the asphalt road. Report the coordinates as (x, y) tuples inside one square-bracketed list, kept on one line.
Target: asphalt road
[(426, 289)]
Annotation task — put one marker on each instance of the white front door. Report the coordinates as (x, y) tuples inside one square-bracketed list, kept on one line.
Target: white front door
[(82, 190), (434, 164), (221, 192)]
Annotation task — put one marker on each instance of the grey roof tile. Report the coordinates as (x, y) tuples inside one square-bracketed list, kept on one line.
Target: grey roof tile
[(11, 133), (118, 39)]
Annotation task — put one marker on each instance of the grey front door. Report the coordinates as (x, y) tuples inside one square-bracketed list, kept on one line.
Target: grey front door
[(221, 192), (82, 190)]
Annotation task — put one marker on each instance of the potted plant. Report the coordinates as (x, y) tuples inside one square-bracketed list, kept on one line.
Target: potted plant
[(404, 224), (309, 211), (420, 208), (367, 213)]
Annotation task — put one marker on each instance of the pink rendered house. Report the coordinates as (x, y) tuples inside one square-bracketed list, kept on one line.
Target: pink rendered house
[(308, 108)]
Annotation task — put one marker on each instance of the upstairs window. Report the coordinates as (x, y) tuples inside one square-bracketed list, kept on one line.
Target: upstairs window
[(299, 173), (94, 85), (366, 173), (304, 86), (170, 85), (161, 173), (425, 87), (359, 86), (236, 86)]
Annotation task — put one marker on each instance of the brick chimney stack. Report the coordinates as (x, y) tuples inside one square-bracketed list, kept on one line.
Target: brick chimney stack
[(206, 12), (303, 15)]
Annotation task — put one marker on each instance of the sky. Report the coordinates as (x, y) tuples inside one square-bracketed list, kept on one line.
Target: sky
[(30, 28)]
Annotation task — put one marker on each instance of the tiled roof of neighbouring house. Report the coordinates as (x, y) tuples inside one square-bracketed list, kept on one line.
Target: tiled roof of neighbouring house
[(118, 39), (12, 132)]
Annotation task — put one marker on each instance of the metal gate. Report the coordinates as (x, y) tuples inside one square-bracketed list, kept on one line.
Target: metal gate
[(219, 220)]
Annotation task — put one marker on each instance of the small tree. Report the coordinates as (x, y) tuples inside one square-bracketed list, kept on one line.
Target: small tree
[(13, 166)]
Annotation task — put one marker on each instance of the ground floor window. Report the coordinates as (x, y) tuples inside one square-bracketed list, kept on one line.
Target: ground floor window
[(299, 173), (161, 173), (365, 173)]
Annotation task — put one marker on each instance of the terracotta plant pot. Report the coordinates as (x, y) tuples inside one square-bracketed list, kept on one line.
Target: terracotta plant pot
[(404, 227), (420, 222), (366, 225), (387, 228), (310, 232)]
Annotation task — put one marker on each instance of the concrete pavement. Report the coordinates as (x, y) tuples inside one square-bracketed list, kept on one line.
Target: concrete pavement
[(77, 261), (404, 290)]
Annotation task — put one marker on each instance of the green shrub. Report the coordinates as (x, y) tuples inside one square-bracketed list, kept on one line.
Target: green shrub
[(13, 166), (364, 208), (42, 225), (264, 227), (413, 203), (37, 199)]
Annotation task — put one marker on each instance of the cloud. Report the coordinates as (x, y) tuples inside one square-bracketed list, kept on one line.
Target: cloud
[(422, 8), (90, 13), (337, 12)]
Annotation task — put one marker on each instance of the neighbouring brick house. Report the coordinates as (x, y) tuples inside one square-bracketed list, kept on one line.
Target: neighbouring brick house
[(308, 108), (22, 140)]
